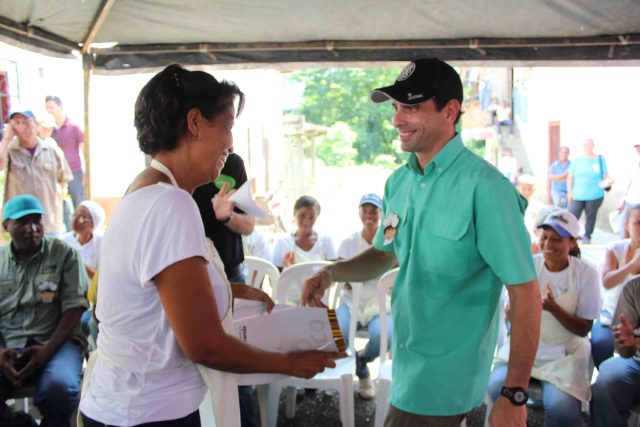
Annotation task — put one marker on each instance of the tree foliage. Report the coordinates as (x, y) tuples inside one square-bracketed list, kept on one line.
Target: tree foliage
[(336, 147), (333, 95)]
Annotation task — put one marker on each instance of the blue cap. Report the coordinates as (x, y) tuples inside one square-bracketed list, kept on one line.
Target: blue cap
[(22, 205), (26, 113), (371, 198)]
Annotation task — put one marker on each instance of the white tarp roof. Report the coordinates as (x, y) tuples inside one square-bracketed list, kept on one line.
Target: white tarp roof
[(154, 32)]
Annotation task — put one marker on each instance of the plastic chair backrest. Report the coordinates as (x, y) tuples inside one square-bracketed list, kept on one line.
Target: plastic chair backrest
[(256, 271), (385, 284), (290, 285), (292, 278)]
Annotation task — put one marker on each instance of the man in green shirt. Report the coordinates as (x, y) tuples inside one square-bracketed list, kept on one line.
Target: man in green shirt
[(455, 226), (42, 282)]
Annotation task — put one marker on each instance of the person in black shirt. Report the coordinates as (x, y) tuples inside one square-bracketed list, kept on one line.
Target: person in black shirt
[(223, 223)]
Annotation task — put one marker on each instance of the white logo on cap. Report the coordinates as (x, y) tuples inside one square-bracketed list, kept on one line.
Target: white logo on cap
[(406, 72), (411, 96)]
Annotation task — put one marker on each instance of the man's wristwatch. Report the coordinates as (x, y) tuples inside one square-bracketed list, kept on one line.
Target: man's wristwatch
[(517, 395)]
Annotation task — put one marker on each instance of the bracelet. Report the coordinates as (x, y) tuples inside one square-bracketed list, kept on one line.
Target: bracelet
[(226, 220)]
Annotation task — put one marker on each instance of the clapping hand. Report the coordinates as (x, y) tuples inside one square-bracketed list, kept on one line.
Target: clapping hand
[(548, 300), (623, 333)]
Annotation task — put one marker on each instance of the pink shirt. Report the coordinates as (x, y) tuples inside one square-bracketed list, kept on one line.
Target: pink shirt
[(69, 136)]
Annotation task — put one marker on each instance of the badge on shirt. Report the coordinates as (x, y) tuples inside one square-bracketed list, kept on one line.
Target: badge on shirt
[(47, 291), (390, 227)]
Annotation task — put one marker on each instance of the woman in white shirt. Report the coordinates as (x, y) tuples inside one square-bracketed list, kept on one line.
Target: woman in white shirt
[(162, 299), (570, 302), (621, 263), (84, 237), (305, 244)]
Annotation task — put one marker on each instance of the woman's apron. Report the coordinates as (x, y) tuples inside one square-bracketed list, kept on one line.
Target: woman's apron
[(222, 386), (563, 358)]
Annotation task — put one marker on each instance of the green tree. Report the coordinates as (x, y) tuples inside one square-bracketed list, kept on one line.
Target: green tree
[(333, 95), (336, 147)]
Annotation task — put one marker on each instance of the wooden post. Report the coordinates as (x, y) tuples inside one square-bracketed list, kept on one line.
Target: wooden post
[(86, 66)]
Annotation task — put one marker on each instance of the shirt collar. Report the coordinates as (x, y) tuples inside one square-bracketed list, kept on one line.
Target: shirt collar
[(66, 122), (15, 259), (443, 159)]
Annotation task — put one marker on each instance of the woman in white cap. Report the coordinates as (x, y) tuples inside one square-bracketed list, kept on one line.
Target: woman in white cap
[(570, 303), (87, 219)]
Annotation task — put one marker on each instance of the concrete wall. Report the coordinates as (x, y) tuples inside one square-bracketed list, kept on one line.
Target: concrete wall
[(599, 103)]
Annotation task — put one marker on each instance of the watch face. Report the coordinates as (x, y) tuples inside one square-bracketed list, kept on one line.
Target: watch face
[(519, 396)]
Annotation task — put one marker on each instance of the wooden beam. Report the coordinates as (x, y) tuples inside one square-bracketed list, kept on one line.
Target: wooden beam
[(98, 21), (34, 35), (86, 67), (472, 43)]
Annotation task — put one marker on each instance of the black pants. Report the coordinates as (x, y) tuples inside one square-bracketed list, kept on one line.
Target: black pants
[(590, 208), (191, 420)]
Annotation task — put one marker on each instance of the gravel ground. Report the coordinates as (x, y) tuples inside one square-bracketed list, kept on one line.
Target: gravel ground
[(319, 409)]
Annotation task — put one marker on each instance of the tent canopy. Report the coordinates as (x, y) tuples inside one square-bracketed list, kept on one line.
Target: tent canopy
[(151, 33)]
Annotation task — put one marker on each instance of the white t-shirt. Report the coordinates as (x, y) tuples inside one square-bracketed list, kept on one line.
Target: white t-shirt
[(585, 280), (256, 245), (324, 249), (612, 295), (350, 247), (89, 252), (142, 375)]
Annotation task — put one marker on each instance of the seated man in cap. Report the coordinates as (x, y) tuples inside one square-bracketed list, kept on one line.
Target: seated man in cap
[(370, 210), (41, 301), (34, 166)]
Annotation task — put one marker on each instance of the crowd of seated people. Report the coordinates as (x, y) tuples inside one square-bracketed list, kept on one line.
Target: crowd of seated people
[(49, 354)]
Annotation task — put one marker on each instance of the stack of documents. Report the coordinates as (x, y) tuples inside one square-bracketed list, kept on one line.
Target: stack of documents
[(287, 328)]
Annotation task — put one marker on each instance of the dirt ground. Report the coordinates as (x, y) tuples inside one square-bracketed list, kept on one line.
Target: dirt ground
[(319, 409)]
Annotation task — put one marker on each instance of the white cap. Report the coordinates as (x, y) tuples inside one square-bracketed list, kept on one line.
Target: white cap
[(564, 223)]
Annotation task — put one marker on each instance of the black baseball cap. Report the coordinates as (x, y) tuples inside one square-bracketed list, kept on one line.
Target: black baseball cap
[(420, 81)]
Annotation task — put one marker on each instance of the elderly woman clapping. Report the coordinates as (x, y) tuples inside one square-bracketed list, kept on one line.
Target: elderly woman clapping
[(84, 237)]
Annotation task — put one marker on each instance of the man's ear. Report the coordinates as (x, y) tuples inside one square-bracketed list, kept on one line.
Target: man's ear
[(5, 225), (453, 109)]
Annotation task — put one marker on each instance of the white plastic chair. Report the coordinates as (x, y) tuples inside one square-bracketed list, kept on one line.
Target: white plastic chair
[(256, 271), (339, 378), (383, 385)]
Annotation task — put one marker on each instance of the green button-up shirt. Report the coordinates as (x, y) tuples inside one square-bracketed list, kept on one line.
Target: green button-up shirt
[(459, 236), (33, 295)]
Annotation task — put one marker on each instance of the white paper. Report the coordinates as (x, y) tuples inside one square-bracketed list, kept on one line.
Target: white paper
[(286, 328), (243, 200)]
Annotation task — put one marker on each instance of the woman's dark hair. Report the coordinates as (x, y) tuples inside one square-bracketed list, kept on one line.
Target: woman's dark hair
[(575, 250), (631, 208), (163, 103), (306, 202)]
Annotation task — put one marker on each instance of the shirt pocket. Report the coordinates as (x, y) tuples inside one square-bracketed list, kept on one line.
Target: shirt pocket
[(444, 245), (48, 168), (8, 288)]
